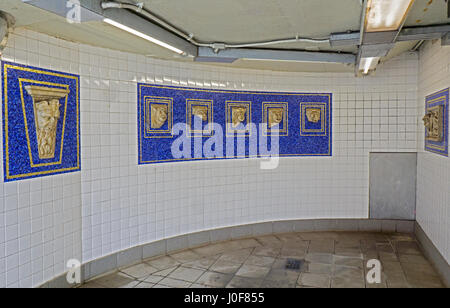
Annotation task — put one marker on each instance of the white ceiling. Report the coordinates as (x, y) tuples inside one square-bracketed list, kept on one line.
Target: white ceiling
[(232, 21)]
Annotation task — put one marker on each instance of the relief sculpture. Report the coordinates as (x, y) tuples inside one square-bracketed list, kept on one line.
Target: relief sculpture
[(275, 116), (433, 122), (238, 115), (159, 115), (313, 114), (46, 113), (201, 112)]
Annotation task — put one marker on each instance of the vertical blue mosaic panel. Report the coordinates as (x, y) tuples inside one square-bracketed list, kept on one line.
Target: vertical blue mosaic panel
[(432, 102), (31, 109), (304, 122)]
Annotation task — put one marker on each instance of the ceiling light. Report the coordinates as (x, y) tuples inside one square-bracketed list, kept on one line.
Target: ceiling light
[(142, 35), (386, 15), (367, 64)]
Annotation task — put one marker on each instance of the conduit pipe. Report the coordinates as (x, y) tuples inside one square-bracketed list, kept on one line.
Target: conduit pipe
[(139, 8)]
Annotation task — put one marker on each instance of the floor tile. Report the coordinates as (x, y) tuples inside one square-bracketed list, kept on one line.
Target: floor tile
[(260, 261), (153, 279), (215, 280), (324, 258), (117, 280), (408, 247), (244, 283), (251, 271), (319, 268), (225, 267), (330, 259), (283, 277), (321, 246), (339, 282), (202, 263), (174, 283), (185, 256), (267, 251), (349, 261), (144, 285), (314, 280), (165, 272), (139, 271), (237, 256), (186, 274), (163, 263)]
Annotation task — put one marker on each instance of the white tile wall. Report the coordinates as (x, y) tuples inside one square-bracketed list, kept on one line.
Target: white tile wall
[(433, 184), (124, 205)]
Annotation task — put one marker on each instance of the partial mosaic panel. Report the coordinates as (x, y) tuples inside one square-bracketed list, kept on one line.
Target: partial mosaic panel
[(230, 124), (41, 122), (436, 122)]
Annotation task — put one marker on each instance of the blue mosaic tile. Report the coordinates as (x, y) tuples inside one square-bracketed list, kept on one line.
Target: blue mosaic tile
[(22, 156), (297, 135), (432, 101)]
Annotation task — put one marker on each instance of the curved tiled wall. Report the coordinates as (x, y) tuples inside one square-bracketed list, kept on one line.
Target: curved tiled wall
[(114, 204)]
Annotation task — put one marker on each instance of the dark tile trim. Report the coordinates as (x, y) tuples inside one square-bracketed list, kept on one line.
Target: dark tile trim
[(433, 255)]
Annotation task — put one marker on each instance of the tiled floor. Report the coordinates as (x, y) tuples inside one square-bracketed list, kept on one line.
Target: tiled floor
[(330, 259)]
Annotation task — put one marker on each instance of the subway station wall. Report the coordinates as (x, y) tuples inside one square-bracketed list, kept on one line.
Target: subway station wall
[(113, 203), (433, 170)]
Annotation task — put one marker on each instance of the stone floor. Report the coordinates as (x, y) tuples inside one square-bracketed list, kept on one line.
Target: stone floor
[(330, 260)]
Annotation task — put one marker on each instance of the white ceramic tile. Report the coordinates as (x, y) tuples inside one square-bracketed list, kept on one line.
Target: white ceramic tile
[(433, 171)]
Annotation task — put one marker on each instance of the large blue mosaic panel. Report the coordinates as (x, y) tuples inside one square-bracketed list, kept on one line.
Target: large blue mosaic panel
[(226, 121), (41, 122), (436, 122)]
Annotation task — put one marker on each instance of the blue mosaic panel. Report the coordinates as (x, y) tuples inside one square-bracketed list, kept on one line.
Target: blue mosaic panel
[(433, 101), (21, 155), (207, 115)]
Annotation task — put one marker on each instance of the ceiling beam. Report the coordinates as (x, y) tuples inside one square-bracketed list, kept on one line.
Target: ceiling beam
[(407, 34), (229, 55)]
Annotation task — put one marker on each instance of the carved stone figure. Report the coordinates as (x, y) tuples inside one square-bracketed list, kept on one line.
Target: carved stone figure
[(238, 115), (201, 112), (313, 114), (46, 112), (159, 115), (433, 122), (275, 116)]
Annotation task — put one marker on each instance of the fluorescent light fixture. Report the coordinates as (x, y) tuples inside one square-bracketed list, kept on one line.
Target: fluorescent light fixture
[(142, 35), (386, 15), (367, 64)]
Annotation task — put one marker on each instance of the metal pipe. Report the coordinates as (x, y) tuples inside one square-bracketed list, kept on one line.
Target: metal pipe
[(190, 37)]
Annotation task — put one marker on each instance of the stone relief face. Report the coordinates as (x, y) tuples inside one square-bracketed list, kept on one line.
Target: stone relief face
[(238, 115), (201, 112), (47, 116), (275, 116), (433, 122), (159, 115), (313, 115)]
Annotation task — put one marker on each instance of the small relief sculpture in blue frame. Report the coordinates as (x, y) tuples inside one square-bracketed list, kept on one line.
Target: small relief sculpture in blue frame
[(436, 122), (158, 117), (275, 116), (40, 122), (313, 119), (239, 118), (227, 124), (199, 117)]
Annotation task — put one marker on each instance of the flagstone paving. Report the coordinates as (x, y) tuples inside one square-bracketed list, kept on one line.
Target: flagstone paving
[(328, 260)]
